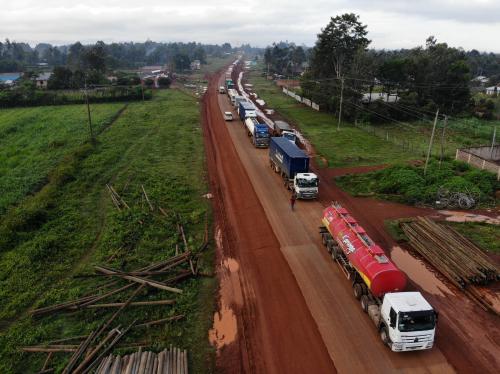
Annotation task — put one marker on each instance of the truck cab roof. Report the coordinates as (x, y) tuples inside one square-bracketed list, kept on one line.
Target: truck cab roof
[(307, 176), (407, 301)]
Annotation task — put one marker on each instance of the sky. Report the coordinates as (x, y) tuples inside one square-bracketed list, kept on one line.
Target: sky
[(392, 24)]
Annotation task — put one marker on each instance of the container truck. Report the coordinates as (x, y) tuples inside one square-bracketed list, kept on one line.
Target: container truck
[(293, 165), (229, 84), (232, 93), (258, 132), (246, 109), (238, 99), (405, 320), (281, 128)]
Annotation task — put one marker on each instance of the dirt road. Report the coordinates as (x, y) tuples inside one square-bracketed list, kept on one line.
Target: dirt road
[(263, 324), (343, 327)]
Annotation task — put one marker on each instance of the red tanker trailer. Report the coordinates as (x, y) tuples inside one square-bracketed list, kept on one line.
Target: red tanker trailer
[(405, 320)]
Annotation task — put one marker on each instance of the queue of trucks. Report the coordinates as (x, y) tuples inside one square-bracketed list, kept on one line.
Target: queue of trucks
[(405, 320), (285, 156)]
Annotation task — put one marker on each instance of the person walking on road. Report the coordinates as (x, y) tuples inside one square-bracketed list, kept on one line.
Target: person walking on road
[(292, 200)]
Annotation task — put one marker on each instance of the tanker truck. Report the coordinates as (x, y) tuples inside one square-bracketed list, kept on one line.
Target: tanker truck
[(258, 132), (405, 320), (293, 165)]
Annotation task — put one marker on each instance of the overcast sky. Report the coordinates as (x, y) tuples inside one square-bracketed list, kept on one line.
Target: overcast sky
[(391, 23)]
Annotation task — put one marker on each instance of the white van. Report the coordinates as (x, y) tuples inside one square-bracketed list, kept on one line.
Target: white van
[(228, 116), (222, 90)]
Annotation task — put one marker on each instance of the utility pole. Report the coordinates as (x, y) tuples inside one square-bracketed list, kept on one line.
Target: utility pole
[(142, 89), (341, 100), (442, 139), (493, 141), (88, 112), (430, 142)]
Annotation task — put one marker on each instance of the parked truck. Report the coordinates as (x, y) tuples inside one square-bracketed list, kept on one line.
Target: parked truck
[(238, 99), (246, 109), (258, 132), (281, 128), (229, 84), (405, 320), (293, 165), (232, 93)]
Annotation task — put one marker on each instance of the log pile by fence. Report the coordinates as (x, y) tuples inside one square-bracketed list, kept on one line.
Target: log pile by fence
[(168, 361), (462, 262)]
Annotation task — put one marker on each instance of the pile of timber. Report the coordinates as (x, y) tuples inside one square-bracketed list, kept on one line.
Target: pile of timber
[(166, 276), (462, 262), (169, 361), (90, 352)]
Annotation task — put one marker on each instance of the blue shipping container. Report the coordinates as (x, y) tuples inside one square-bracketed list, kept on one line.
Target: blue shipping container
[(290, 158)]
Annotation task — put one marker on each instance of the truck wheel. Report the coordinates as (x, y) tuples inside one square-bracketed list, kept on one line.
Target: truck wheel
[(329, 245), (365, 302), (357, 290), (384, 335), (364, 287), (335, 253)]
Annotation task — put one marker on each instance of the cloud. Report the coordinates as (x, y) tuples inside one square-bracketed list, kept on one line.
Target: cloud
[(391, 23)]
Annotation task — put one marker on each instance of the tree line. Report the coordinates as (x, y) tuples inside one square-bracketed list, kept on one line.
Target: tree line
[(16, 56), (341, 66)]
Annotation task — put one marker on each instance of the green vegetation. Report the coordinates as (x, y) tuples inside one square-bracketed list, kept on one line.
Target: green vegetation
[(33, 141), (408, 184), (70, 224), (350, 146), (485, 235)]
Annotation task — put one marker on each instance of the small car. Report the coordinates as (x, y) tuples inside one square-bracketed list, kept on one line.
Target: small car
[(228, 116)]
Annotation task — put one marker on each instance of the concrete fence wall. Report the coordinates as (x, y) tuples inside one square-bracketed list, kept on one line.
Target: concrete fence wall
[(481, 157), (301, 99)]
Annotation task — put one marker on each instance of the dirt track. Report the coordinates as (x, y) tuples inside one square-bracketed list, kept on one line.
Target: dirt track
[(251, 202), (259, 295)]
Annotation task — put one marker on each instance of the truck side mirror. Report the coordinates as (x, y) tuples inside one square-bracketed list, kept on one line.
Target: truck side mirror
[(392, 316)]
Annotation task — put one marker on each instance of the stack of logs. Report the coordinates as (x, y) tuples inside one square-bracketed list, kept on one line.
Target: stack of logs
[(169, 361), (462, 262)]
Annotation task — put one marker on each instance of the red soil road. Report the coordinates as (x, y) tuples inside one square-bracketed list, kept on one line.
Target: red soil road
[(351, 339), (275, 330), (467, 336)]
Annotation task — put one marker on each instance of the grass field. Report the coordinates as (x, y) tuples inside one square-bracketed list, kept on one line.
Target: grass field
[(70, 225), (371, 144), (348, 147), (484, 235), (34, 140)]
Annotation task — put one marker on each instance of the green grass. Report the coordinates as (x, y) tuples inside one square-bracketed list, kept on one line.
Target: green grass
[(459, 133), (484, 235), (72, 225), (34, 140), (350, 146), (408, 184)]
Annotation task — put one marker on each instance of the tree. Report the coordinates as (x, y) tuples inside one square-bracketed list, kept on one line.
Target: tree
[(61, 78), (95, 57), (337, 45)]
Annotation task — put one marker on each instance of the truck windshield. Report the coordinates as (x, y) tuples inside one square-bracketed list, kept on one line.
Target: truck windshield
[(416, 321), (263, 134), (301, 182)]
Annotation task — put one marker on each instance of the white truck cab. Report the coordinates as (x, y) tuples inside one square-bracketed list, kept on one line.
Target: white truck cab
[(290, 135), (407, 322), (305, 185), (222, 90)]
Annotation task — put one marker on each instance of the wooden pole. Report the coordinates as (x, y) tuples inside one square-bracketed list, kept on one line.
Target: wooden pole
[(430, 142), (442, 140), (341, 101)]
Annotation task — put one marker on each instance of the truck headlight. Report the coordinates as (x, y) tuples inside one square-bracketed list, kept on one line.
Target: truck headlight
[(429, 345)]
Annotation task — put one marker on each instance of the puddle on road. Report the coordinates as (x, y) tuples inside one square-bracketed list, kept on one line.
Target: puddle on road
[(416, 270), (225, 326), (453, 216), (224, 329)]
